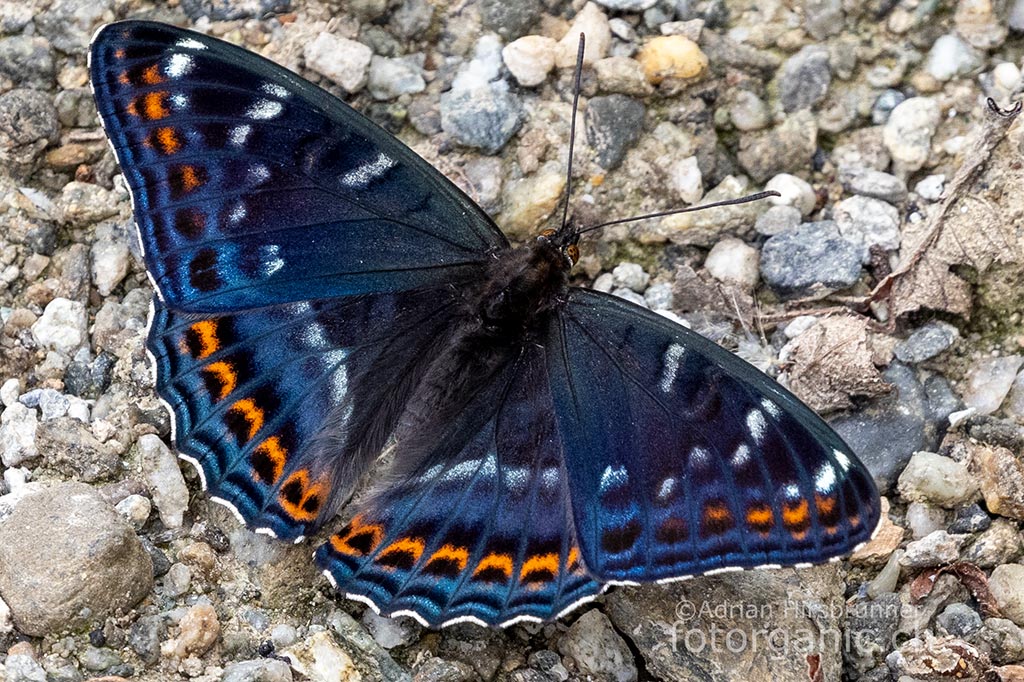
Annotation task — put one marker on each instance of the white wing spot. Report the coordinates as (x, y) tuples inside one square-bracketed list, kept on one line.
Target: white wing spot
[(549, 477), (741, 456), (364, 174), (179, 101), (699, 457), (275, 90), (516, 478), (264, 110), (841, 457), (670, 366), (756, 425), (190, 44), (771, 408), (613, 477), (313, 337), (667, 486), (239, 134), (271, 259), (259, 173), (237, 213), (461, 471), (826, 479), (179, 65), (792, 491)]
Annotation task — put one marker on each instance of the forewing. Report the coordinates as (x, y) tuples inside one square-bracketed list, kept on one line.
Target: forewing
[(282, 408), (683, 459), (481, 532), (253, 187)]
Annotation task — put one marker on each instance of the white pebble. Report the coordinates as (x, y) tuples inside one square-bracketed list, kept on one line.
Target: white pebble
[(62, 326), (10, 391), (733, 261), (18, 435), (605, 282), (164, 480), (630, 276), (686, 179), (989, 381), (930, 188), (1006, 77), (136, 509), (344, 61), (795, 192), (530, 59)]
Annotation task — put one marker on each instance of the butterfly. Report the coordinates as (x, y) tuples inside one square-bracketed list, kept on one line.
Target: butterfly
[(324, 295)]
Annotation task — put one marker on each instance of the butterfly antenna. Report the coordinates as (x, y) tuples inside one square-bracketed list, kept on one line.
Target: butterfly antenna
[(577, 77), (689, 209)]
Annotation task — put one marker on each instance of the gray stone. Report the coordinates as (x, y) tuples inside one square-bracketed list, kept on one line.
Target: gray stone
[(412, 18), (232, 10), (27, 61), (622, 75), (90, 566), (627, 5), (748, 111), (630, 275), (868, 222), (260, 670), (389, 77), (672, 625), (614, 124), (68, 446), (435, 669), (390, 632), (177, 580), (659, 296), (823, 18), (908, 133), (283, 635), (28, 123), (1007, 586), (630, 295), (813, 259), (1000, 544), (872, 183), (951, 57), (1004, 640), (164, 480), (970, 519), (871, 627), (989, 381), (485, 117), (884, 104), (778, 219), (926, 342), (145, 636), (344, 61), (785, 148), (935, 549), (81, 204), (18, 426), (96, 659), (931, 187), (805, 78), (21, 667), (510, 19), (597, 649)]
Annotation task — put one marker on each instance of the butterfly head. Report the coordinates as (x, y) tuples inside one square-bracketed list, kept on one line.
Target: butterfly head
[(566, 240)]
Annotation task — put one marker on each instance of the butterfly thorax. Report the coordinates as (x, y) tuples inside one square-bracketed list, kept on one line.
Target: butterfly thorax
[(522, 287)]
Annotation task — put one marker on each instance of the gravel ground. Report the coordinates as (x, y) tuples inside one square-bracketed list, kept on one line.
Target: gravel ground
[(884, 287)]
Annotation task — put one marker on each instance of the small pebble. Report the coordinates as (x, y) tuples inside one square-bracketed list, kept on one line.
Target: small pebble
[(659, 296), (1007, 587), (924, 519), (936, 549), (485, 117), (593, 23), (795, 192), (733, 261), (926, 342), (136, 509), (805, 78), (177, 580), (671, 57), (529, 59), (959, 620), (283, 635), (685, 178), (164, 480), (872, 183), (390, 632), (778, 219), (989, 382), (931, 187), (884, 104), (748, 112), (970, 519), (199, 630), (811, 259), (909, 131), (951, 57), (18, 425), (343, 61), (62, 326), (630, 275), (389, 77), (9, 392), (868, 222), (630, 295), (929, 477)]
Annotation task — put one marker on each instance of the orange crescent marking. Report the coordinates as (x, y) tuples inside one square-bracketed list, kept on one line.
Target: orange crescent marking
[(154, 106), (299, 511), (168, 140), (502, 562), (414, 546), (206, 330), (448, 552), (272, 449), (716, 512), (225, 374), (151, 75), (539, 562), (190, 179), (253, 414)]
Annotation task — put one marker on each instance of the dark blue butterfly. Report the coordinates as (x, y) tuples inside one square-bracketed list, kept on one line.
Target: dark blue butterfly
[(323, 294)]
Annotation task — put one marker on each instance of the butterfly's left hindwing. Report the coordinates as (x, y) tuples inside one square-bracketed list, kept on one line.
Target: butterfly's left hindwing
[(683, 459), (481, 531), (253, 187)]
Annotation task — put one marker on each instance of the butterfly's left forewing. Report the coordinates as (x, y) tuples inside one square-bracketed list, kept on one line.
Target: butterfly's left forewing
[(252, 187), (683, 459)]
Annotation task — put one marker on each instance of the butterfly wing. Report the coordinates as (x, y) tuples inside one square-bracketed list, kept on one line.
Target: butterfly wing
[(282, 408), (683, 459), (305, 263), (480, 532), (252, 186)]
